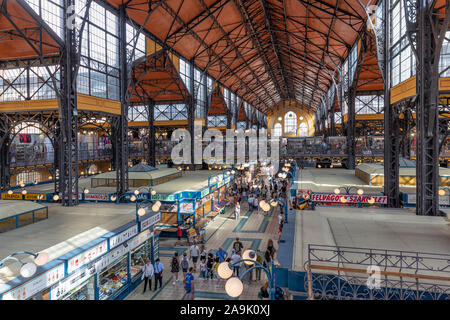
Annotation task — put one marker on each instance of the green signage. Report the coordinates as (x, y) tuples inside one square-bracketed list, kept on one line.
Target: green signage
[(163, 197)]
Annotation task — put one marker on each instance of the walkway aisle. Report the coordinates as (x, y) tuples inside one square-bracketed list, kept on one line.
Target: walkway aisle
[(253, 229)]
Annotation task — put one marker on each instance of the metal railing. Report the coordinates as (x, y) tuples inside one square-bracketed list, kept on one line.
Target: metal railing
[(366, 273)]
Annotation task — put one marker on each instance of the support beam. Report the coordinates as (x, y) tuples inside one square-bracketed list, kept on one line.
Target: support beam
[(426, 30), (121, 129), (151, 134)]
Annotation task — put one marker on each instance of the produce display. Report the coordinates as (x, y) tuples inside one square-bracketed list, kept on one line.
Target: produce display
[(113, 279)]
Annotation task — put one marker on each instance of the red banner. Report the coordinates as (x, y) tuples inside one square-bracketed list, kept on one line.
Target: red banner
[(351, 198)]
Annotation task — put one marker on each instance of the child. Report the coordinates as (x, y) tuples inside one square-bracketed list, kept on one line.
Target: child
[(203, 268), (184, 264), (216, 270), (210, 265)]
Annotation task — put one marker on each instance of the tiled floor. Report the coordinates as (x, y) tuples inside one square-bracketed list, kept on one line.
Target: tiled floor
[(254, 230)]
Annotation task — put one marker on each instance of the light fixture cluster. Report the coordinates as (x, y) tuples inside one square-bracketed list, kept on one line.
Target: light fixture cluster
[(234, 285)]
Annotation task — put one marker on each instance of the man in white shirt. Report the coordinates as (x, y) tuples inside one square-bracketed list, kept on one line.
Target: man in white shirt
[(159, 268), (235, 258), (237, 211), (147, 273), (194, 252)]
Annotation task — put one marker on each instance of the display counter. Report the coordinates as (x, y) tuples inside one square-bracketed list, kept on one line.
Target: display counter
[(113, 278), (138, 258)]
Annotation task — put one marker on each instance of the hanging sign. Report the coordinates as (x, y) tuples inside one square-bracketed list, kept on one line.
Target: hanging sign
[(86, 257), (123, 236), (36, 285), (14, 196)]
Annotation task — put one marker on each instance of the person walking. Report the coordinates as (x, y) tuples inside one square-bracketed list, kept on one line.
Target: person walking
[(147, 274), (270, 248), (179, 233), (256, 203), (189, 284), (203, 268), (221, 254), (259, 259), (194, 253), (203, 252), (237, 211), (237, 246), (235, 257), (159, 268), (175, 267), (184, 264), (210, 266)]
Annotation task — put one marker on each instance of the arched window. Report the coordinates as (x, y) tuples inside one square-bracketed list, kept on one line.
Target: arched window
[(290, 122), (302, 130), (277, 130)]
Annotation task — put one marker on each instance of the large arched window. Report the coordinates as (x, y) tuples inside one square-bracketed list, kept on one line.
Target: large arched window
[(290, 122), (277, 130), (302, 130)]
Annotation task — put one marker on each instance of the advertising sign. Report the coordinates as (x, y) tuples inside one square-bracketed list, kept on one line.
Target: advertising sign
[(351, 198), (35, 197), (187, 207), (14, 196), (36, 285), (110, 257), (147, 223), (86, 256), (96, 197), (140, 238), (71, 282), (123, 236)]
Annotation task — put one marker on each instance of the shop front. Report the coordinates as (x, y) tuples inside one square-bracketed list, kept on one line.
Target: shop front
[(104, 269)]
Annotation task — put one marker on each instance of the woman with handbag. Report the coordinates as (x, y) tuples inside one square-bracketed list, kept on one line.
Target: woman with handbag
[(147, 275), (175, 267)]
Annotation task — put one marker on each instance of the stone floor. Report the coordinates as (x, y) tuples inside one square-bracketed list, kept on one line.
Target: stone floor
[(254, 230)]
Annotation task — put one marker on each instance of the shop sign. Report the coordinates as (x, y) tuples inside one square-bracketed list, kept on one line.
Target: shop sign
[(123, 236), (71, 282), (96, 196), (204, 192), (110, 257), (140, 238), (331, 197), (35, 197), (14, 196), (163, 197), (214, 187), (147, 223), (36, 285), (227, 179), (86, 257), (186, 207), (221, 183)]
